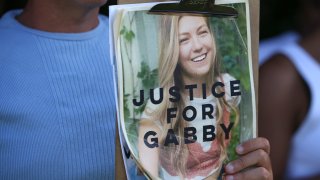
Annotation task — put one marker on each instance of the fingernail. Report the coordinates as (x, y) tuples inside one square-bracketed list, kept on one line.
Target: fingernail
[(229, 177), (229, 168), (240, 149)]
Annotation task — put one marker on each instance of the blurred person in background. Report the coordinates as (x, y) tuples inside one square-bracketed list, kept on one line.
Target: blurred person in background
[(289, 96), (57, 107)]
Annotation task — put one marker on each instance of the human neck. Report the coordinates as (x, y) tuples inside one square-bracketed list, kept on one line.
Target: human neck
[(58, 16)]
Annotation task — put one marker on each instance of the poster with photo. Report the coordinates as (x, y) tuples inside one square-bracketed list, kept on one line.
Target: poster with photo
[(185, 90)]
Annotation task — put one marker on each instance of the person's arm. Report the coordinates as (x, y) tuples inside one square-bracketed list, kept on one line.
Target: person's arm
[(120, 170), (283, 103), (253, 162)]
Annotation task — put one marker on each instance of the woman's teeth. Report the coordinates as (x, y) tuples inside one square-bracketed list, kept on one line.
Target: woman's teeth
[(199, 58)]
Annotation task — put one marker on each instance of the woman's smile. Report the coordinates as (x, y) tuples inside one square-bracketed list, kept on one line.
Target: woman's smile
[(199, 58)]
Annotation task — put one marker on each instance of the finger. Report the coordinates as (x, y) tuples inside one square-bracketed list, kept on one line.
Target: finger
[(258, 158), (253, 145), (251, 174)]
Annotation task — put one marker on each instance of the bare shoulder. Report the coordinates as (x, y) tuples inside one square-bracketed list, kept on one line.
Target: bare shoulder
[(279, 70), (281, 86), (283, 104)]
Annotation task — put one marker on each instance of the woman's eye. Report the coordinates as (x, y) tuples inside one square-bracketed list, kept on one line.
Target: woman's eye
[(183, 40), (202, 33)]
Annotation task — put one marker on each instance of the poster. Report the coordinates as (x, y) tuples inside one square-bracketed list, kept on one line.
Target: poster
[(185, 90)]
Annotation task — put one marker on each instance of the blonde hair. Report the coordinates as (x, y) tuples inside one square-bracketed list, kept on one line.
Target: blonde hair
[(169, 76)]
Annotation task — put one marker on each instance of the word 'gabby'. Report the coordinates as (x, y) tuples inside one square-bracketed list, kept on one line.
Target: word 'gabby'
[(189, 135)]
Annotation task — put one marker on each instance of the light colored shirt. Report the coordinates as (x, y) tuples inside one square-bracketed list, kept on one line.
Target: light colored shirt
[(57, 106)]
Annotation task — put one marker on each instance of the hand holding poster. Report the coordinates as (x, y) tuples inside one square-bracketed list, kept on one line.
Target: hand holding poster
[(185, 90)]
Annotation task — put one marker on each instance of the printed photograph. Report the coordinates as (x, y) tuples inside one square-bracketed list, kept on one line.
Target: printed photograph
[(186, 89)]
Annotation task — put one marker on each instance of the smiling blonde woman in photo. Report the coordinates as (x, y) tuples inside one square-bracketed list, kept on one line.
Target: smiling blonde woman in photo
[(188, 57)]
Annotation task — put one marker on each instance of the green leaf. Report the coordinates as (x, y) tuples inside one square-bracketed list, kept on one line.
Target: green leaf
[(123, 30), (129, 35)]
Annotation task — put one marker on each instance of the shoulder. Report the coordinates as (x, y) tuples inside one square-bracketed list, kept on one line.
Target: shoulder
[(8, 19), (9, 28), (280, 83), (279, 71), (5, 24), (277, 77)]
